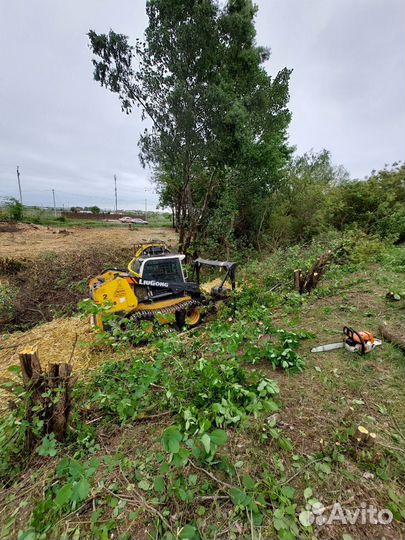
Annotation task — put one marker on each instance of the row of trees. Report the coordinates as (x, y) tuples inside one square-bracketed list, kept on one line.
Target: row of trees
[(217, 143), (316, 196)]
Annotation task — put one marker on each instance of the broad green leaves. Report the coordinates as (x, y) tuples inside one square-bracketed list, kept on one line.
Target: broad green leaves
[(77, 478), (171, 439), (218, 437), (63, 495), (48, 446)]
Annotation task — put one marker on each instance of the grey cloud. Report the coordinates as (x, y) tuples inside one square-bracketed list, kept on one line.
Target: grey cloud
[(69, 134)]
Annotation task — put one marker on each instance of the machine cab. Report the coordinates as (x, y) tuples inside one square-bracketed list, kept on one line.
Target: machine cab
[(158, 270)]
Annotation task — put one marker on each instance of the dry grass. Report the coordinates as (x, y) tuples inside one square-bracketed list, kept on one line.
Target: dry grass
[(28, 241), (69, 339)]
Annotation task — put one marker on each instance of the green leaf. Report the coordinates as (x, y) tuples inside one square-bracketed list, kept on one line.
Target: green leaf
[(14, 369), (285, 444), (63, 494), (192, 479), (27, 535), (206, 442), (48, 446), (324, 467), (239, 497), (188, 532), (75, 469), (159, 484), (308, 493), (288, 491), (171, 439), (144, 485), (180, 459), (248, 482), (393, 496), (219, 437), (164, 468), (81, 490)]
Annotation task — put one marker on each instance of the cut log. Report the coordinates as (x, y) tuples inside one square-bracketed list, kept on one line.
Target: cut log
[(392, 336), (34, 384)]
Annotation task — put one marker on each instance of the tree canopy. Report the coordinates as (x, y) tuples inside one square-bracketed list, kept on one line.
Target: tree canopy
[(218, 140)]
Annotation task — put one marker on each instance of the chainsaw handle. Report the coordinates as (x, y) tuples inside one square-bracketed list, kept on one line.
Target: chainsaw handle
[(350, 333)]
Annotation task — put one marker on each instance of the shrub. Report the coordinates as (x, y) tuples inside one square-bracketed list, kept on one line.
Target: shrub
[(15, 209), (8, 296)]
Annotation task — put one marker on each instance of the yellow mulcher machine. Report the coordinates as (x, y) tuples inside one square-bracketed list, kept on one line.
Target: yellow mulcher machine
[(155, 284)]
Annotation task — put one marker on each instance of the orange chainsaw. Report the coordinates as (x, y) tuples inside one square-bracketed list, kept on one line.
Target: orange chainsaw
[(358, 342)]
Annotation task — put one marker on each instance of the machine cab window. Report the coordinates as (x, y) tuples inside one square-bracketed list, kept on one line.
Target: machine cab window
[(163, 269)]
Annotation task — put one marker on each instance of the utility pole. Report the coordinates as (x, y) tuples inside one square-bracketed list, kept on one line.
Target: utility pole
[(54, 203), (146, 209), (19, 183), (115, 190)]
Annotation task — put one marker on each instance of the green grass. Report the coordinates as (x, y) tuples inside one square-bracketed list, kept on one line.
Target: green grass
[(233, 429)]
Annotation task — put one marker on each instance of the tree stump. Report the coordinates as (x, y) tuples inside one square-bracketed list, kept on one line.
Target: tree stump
[(306, 282), (48, 397)]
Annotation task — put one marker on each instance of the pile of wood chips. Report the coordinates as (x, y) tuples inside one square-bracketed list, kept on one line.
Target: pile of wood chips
[(61, 340)]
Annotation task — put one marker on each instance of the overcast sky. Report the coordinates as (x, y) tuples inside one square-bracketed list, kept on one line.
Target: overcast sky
[(67, 133)]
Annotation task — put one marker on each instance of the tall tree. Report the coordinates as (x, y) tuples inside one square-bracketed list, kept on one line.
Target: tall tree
[(218, 135)]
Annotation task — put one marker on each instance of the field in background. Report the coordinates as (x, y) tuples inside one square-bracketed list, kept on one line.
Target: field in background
[(47, 216), (30, 240)]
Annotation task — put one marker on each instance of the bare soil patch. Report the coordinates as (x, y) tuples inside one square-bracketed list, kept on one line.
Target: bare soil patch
[(28, 241)]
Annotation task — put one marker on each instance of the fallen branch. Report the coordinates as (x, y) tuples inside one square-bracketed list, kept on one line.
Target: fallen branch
[(190, 330), (153, 416), (301, 470), (217, 480), (140, 503)]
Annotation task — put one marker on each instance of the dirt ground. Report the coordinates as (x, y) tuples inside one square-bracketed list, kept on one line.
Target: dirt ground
[(28, 241)]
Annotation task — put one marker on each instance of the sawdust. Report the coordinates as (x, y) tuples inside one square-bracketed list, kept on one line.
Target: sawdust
[(206, 287), (61, 340), (29, 241)]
